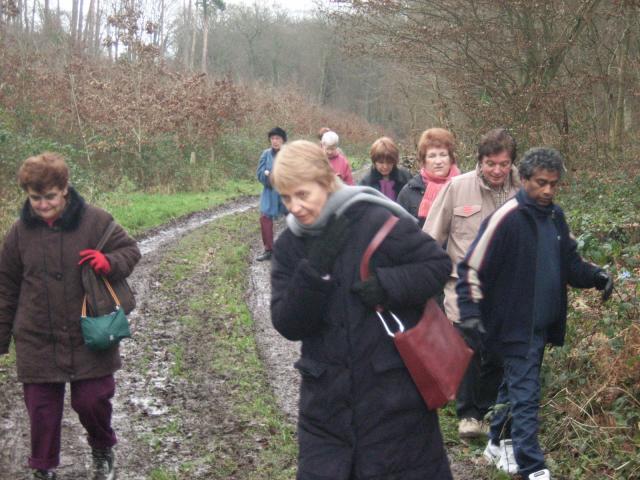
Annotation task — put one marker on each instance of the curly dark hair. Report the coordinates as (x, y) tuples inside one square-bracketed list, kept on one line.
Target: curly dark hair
[(540, 158)]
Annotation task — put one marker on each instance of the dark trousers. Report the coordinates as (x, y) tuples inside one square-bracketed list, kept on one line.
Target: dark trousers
[(479, 387), (266, 227), (91, 399), (520, 390)]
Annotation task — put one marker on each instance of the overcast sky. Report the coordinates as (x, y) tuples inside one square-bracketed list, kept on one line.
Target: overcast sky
[(294, 6)]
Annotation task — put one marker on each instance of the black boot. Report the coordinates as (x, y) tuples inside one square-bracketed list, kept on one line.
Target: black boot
[(44, 475), (266, 255), (104, 467)]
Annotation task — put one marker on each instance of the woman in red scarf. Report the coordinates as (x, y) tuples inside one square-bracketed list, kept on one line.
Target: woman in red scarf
[(437, 158)]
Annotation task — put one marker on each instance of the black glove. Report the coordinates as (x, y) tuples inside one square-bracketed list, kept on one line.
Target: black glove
[(471, 330), (604, 282), (326, 247), (370, 292)]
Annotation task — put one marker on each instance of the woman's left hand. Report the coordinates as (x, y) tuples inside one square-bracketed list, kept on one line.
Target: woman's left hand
[(97, 260), (370, 292)]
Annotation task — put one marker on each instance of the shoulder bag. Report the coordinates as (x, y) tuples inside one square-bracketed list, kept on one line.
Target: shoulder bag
[(433, 351), (98, 298), (104, 331)]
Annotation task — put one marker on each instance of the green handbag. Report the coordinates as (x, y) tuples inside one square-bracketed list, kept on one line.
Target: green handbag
[(101, 333)]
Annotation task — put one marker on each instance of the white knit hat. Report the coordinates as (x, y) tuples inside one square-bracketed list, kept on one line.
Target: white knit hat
[(330, 139)]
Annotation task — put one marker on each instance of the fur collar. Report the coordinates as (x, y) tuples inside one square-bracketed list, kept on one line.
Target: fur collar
[(70, 218)]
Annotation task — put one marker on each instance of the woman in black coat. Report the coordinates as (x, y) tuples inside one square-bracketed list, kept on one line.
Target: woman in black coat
[(360, 414), (385, 174)]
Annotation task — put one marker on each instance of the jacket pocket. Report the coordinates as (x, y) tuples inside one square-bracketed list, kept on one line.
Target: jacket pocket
[(466, 210), (322, 391), (310, 368), (465, 225)]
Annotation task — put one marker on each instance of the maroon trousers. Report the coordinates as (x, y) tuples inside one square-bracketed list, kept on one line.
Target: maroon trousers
[(266, 227), (91, 399)]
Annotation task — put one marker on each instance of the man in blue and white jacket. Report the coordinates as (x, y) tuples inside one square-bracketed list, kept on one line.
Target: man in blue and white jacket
[(512, 296)]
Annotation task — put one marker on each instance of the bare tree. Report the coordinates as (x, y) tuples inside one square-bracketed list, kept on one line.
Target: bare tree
[(209, 8)]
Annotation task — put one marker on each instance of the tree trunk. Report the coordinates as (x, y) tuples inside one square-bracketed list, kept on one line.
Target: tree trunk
[(161, 30), (617, 133), (33, 16), (205, 38), (46, 15), (96, 38), (193, 43), (79, 32), (185, 39), (74, 21), (88, 25)]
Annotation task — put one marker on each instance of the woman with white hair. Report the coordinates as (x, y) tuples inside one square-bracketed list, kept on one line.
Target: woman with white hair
[(360, 414), (337, 159)]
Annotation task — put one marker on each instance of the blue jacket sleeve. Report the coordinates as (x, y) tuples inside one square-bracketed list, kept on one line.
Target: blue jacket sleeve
[(580, 274), (264, 164)]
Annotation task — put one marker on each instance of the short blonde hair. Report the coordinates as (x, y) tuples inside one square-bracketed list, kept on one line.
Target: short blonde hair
[(384, 148), (302, 161), (436, 138)]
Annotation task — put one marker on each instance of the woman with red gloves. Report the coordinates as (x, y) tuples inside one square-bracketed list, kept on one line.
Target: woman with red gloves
[(40, 302)]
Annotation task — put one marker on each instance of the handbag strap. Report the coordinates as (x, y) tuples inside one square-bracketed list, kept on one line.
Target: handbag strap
[(105, 236), (374, 244), (377, 239), (111, 291)]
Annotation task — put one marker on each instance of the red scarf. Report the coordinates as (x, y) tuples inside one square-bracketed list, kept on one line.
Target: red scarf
[(434, 185)]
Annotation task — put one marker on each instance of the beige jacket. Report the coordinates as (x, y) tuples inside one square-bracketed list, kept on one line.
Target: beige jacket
[(455, 218)]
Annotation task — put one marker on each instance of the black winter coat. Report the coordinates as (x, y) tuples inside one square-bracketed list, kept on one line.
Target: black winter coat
[(360, 414), (399, 175), (411, 196)]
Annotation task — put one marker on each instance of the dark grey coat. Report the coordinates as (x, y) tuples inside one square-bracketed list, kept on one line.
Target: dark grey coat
[(411, 196), (41, 292), (361, 416), (399, 175)]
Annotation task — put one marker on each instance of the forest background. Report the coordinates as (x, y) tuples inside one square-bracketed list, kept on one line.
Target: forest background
[(155, 100)]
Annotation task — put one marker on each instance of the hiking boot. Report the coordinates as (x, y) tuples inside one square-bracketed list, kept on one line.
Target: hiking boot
[(492, 453), (103, 464), (507, 462), (266, 255), (44, 475), (543, 474), (472, 428)]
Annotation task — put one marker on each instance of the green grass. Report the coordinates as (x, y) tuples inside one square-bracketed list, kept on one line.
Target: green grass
[(137, 212)]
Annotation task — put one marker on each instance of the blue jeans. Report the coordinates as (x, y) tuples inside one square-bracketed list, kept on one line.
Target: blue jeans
[(520, 389)]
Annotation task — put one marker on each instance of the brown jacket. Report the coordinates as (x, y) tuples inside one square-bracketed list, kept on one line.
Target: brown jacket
[(41, 292), (454, 220)]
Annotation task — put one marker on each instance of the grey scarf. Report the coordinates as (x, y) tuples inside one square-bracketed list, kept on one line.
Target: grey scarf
[(338, 202)]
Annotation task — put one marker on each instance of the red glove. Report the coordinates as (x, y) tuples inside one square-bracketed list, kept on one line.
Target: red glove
[(97, 260)]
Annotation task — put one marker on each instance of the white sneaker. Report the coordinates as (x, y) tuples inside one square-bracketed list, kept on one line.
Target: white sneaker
[(544, 474), (472, 428), (507, 462), (492, 453)]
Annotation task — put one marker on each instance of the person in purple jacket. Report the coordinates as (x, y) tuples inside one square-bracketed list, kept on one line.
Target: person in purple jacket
[(512, 296)]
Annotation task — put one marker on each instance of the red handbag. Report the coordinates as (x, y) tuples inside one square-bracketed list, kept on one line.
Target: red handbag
[(433, 351)]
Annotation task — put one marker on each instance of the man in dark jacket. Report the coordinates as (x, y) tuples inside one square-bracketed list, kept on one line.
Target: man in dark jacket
[(513, 301)]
